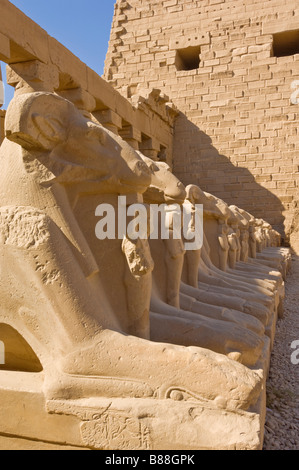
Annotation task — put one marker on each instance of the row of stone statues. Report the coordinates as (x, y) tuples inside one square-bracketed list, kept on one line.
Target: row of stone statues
[(129, 319)]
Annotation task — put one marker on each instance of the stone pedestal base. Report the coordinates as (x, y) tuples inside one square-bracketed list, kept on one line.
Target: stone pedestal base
[(28, 421)]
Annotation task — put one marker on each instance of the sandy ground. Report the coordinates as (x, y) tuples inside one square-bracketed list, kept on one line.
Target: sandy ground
[(282, 424)]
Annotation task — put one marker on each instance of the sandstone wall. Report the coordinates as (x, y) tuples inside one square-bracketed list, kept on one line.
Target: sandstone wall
[(237, 135)]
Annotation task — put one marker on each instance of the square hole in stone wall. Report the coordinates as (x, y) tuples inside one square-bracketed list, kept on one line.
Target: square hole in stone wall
[(286, 43), (162, 155), (188, 58)]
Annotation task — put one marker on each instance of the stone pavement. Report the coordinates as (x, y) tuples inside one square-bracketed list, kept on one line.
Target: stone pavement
[(282, 425)]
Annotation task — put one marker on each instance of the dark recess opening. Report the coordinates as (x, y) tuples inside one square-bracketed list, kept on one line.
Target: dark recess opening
[(188, 59), (18, 355), (162, 155), (286, 43)]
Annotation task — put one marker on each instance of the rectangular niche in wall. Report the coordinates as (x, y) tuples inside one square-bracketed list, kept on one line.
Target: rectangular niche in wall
[(286, 43), (162, 155), (188, 58)]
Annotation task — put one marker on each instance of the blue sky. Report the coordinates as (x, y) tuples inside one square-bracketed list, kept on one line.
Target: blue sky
[(82, 26)]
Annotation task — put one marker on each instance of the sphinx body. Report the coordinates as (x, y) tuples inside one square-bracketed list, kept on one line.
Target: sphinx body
[(136, 328), (265, 285), (53, 270), (179, 317)]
